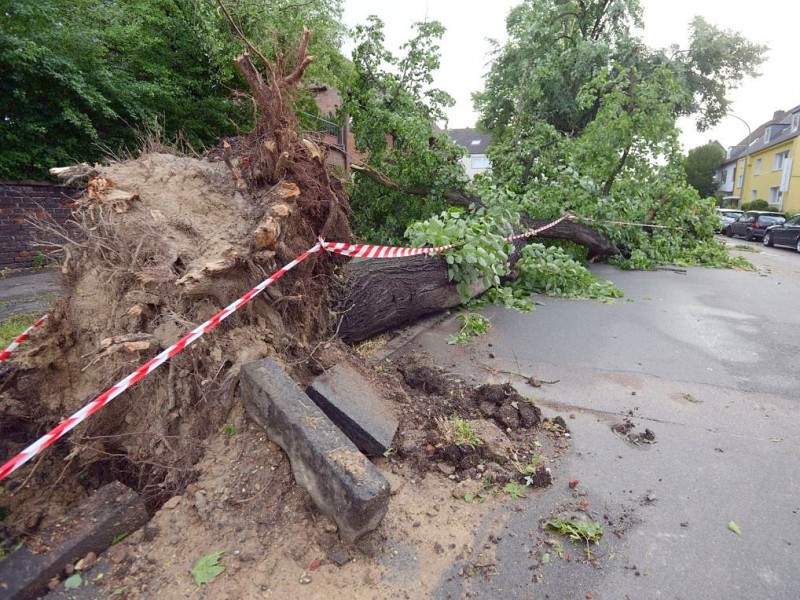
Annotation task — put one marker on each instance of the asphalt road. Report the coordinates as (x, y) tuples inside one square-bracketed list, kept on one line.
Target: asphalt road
[(706, 359)]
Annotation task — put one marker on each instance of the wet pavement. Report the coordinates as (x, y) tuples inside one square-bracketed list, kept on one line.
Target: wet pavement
[(28, 293), (707, 360)]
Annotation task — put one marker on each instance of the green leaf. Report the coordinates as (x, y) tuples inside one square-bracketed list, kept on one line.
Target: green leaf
[(734, 528), (207, 568), (73, 582), (469, 496)]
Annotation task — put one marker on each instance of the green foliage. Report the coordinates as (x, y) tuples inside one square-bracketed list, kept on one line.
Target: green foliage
[(472, 326), (229, 429), (757, 205), (552, 271), (39, 261), (734, 528), (514, 490), (584, 120), (577, 531), (207, 568), (81, 77), (481, 250), (701, 165), (393, 108)]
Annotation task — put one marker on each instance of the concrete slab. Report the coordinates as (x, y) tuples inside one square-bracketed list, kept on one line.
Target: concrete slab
[(350, 401), (342, 482), (92, 527)]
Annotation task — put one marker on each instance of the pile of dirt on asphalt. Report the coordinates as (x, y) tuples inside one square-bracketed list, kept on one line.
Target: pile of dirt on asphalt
[(158, 245)]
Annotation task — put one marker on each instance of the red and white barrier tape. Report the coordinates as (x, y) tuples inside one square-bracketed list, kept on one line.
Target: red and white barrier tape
[(367, 251), (538, 230), (353, 250), (71, 422), (24, 336)]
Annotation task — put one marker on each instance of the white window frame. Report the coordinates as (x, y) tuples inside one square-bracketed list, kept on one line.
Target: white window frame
[(779, 158), (480, 162), (753, 195), (757, 168), (795, 121), (723, 176), (741, 180), (775, 197), (767, 133)]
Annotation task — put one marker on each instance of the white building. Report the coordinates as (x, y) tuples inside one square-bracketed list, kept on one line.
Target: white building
[(475, 143)]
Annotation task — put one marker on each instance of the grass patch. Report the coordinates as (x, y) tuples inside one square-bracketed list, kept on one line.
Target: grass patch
[(746, 248), (13, 326)]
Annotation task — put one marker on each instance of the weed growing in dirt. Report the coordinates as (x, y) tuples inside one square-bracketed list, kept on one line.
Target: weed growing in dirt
[(229, 429), (13, 326), (527, 468), (515, 490), (39, 261), (207, 567), (459, 432), (745, 248), (472, 326)]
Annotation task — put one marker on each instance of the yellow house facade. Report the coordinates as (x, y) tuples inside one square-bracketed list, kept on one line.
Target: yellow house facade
[(765, 165)]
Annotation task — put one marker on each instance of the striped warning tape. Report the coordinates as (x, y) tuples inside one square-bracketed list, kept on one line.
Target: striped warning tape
[(369, 251), (72, 421), (23, 336)]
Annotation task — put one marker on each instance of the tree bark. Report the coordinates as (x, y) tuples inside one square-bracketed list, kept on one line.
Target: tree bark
[(384, 294)]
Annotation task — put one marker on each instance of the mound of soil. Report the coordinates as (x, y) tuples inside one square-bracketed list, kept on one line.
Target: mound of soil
[(157, 246)]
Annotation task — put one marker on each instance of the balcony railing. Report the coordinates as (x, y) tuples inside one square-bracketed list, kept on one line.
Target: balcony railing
[(323, 130)]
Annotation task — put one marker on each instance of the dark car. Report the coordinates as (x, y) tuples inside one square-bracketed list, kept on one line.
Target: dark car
[(785, 234), (752, 224), (726, 217)]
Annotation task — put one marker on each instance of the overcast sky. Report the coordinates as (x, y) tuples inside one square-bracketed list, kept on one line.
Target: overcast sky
[(470, 23)]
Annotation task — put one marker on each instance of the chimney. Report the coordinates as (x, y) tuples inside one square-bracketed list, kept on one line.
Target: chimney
[(779, 114)]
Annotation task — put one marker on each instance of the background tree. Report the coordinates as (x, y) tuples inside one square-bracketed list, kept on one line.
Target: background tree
[(701, 165), (393, 105), (584, 119), (83, 76)]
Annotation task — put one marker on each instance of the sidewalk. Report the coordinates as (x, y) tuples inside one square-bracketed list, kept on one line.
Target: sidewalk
[(32, 292)]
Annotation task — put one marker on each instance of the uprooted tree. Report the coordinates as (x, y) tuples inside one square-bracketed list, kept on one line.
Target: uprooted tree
[(161, 243)]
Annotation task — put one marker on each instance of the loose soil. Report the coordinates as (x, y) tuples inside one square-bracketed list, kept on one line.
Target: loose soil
[(160, 244), (278, 545)]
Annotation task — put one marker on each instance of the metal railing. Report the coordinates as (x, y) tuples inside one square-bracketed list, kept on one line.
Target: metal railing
[(322, 129)]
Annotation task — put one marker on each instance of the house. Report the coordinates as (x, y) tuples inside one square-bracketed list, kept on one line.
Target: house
[(475, 143), (763, 166)]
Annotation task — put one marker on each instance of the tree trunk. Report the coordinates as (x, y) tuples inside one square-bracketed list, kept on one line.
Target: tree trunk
[(384, 294)]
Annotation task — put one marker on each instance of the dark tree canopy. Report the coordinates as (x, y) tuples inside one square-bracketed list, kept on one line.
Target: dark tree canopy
[(81, 77), (701, 165)]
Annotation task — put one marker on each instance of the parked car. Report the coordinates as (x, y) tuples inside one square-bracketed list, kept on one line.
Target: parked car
[(753, 223), (785, 234), (726, 217)]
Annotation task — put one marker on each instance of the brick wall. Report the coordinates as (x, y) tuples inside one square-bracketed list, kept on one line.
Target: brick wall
[(18, 203)]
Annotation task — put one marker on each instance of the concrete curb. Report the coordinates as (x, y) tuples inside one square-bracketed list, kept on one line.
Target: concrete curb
[(342, 482), (93, 526)]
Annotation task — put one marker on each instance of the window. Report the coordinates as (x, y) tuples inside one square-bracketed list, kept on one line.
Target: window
[(480, 162), (767, 133), (779, 158), (775, 197), (753, 195), (757, 170), (795, 121), (475, 143), (741, 181), (723, 176)]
